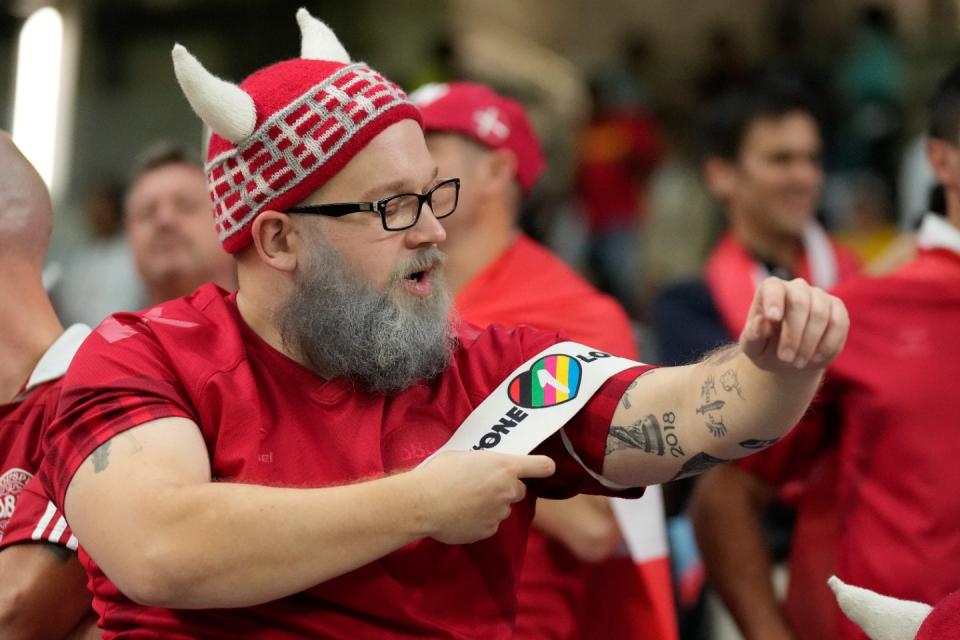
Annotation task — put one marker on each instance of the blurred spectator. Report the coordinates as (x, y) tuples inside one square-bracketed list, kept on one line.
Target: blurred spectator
[(168, 216), (761, 161), (879, 442), (617, 152), (99, 278)]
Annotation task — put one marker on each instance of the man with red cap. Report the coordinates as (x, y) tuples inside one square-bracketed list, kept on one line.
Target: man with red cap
[(501, 276), (323, 453)]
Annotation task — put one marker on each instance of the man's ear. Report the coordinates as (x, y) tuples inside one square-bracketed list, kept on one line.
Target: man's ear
[(500, 169), (944, 159), (720, 176), (277, 240)]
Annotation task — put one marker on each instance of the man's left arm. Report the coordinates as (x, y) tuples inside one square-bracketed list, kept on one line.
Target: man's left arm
[(677, 422)]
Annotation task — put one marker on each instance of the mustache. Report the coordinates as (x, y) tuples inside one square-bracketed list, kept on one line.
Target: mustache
[(421, 261)]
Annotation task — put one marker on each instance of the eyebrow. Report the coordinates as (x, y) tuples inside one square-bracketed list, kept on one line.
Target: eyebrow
[(396, 186)]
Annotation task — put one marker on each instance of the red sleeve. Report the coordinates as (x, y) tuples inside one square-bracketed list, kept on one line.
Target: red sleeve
[(586, 436), (37, 519), (113, 385)]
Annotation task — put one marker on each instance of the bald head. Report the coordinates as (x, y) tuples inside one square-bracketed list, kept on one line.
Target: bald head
[(26, 215)]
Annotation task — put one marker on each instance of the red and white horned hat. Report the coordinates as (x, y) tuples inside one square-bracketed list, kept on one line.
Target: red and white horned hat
[(287, 129)]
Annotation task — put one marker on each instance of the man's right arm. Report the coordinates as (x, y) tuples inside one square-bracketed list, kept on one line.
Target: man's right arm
[(148, 512), (725, 510)]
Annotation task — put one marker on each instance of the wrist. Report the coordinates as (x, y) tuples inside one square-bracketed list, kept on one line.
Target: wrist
[(416, 502)]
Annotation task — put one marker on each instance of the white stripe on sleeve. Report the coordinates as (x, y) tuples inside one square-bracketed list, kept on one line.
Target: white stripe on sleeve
[(44, 521), (58, 530)]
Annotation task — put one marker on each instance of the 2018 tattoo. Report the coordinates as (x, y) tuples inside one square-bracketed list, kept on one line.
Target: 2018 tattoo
[(716, 426), (101, 457), (730, 382), (697, 465), (670, 434), (758, 444)]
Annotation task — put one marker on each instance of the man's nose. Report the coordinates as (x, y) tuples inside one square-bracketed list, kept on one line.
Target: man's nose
[(428, 230)]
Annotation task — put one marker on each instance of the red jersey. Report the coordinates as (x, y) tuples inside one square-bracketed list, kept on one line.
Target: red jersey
[(526, 284), (887, 410), (529, 285), (267, 420), (22, 423)]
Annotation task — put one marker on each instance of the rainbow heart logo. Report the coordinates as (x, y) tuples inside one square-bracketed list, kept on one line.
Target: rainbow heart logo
[(552, 380)]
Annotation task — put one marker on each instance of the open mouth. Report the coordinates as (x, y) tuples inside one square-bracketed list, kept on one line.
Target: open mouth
[(420, 276), (418, 282)]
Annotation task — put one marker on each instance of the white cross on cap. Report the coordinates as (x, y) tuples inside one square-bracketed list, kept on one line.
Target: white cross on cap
[(490, 126)]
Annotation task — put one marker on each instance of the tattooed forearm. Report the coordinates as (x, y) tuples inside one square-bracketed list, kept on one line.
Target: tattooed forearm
[(101, 457), (697, 465), (758, 444), (647, 434), (730, 382)]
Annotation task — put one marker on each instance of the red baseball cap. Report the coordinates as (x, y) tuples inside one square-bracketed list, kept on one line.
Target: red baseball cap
[(481, 114)]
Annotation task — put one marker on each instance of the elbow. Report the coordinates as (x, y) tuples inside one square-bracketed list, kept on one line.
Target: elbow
[(599, 542), (155, 578)]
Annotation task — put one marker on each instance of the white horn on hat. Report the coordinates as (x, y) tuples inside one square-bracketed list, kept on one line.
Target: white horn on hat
[(223, 106), (318, 41), (880, 617)]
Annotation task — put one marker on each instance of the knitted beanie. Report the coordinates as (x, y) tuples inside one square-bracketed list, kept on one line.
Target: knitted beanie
[(288, 128)]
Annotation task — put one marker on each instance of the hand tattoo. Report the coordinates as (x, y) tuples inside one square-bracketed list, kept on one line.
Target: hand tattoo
[(716, 426)]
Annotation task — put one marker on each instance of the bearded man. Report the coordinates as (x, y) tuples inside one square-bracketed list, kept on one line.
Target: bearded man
[(257, 463)]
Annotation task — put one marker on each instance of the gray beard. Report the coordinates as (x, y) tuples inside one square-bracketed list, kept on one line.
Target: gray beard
[(386, 341)]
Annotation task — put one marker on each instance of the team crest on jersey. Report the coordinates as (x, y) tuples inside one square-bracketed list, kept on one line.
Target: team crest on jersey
[(12, 483)]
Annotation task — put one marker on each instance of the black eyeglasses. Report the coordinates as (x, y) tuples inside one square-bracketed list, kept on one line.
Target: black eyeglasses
[(397, 212)]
